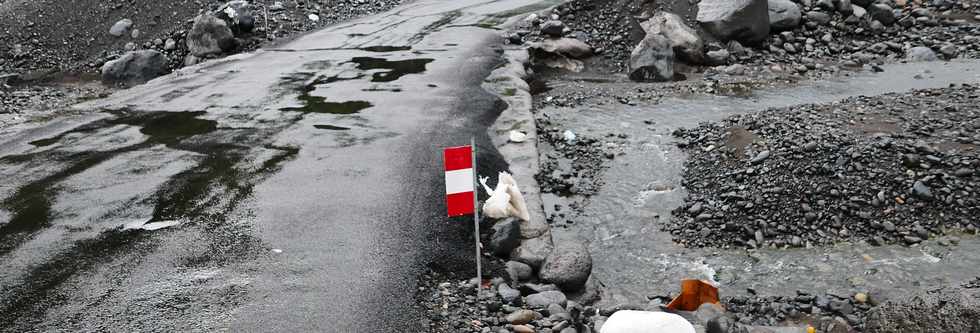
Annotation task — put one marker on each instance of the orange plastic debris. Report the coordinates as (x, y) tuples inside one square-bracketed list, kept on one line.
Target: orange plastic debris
[(810, 329), (693, 294)]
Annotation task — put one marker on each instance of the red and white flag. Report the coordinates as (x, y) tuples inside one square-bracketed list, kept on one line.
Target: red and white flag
[(459, 180)]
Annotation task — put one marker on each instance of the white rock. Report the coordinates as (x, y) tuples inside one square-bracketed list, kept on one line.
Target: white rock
[(628, 321), (517, 136), (568, 135), (314, 17)]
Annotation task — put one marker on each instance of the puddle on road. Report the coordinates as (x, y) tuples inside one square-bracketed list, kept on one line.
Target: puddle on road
[(382, 48), (395, 68), (231, 162), (331, 127)]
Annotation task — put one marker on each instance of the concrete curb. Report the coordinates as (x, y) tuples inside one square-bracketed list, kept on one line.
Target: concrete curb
[(508, 83)]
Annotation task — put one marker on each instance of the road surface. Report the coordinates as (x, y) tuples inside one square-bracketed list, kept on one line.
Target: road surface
[(298, 188)]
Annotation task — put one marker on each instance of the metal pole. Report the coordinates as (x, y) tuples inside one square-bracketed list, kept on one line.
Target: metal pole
[(476, 219)]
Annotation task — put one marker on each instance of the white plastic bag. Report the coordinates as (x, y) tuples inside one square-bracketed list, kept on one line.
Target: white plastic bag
[(506, 200), (628, 321)]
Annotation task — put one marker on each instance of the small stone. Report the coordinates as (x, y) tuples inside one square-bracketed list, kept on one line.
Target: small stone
[(553, 28), (861, 298), (521, 317), (543, 299), (120, 27), (522, 329)]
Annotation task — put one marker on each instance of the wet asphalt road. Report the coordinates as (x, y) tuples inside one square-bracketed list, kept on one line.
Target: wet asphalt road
[(295, 189)]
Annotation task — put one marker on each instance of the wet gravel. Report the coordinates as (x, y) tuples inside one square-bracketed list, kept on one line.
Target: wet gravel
[(896, 168)]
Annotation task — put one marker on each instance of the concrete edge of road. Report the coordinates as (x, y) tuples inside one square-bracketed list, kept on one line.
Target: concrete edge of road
[(508, 82)]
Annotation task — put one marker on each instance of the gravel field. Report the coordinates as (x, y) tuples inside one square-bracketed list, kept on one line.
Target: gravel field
[(897, 168)]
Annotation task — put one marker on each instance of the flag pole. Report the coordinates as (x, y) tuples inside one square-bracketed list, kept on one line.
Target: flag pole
[(476, 219)]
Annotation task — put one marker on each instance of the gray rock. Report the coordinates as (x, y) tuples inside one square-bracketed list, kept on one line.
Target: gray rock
[(945, 310), (506, 237), (543, 299), (687, 45), (820, 18), (521, 317), (568, 266), (135, 67), (746, 21), (718, 57), (949, 51), (135, 34), (858, 11), (921, 190), (921, 53), (652, 60), (844, 7), (518, 271), (553, 28), (170, 44), (569, 47), (882, 13), (209, 36), (532, 251), (509, 295), (863, 3), (784, 15), (827, 5), (120, 27)]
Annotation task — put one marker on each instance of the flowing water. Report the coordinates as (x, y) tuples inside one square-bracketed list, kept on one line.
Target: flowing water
[(642, 187)]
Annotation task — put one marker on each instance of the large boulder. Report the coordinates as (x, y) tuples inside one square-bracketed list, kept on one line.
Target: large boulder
[(784, 15), (209, 36), (652, 60), (947, 310), (506, 237), (687, 44), (135, 67), (630, 321), (568, 266), (746, 21)]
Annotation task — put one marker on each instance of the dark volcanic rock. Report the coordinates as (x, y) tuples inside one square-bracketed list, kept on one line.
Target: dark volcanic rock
[(135, 67), (506, 237), (569, 266)]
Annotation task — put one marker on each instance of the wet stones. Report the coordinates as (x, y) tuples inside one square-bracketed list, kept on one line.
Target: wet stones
[(652, 60), (746, 21), (210, 36)]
